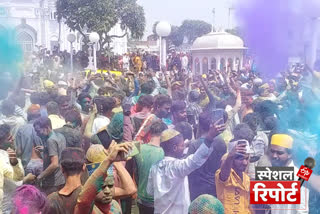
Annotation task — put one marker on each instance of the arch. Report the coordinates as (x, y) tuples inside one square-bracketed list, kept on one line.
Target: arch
[(26, 41), (26, 36), (27, 28), (205, 66), (222, 64), (238, 64), (197, 65), (230, 63), (213, 64)]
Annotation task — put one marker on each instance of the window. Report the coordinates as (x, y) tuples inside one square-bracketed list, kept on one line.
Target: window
[(53, 15), (205, 65), (213, 64), (26, 41)]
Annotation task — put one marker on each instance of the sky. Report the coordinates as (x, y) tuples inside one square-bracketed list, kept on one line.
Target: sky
[(175, 11)]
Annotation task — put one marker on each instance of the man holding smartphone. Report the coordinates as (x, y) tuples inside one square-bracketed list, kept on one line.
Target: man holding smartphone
[(232, 182)]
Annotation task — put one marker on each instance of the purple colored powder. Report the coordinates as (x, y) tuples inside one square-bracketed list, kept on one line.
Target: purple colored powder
[(272, 28)]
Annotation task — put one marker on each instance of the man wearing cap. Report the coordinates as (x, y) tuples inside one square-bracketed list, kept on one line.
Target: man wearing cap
[(232, 182), (280, 154), (168, 182)]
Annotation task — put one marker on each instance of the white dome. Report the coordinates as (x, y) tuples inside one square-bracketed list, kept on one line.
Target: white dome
[(218, 40)]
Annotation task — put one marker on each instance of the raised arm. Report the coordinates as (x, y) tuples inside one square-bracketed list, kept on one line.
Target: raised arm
[(128, 188), (88, 129), (212, 101), (96, 180), (227, 164), (185, 166)]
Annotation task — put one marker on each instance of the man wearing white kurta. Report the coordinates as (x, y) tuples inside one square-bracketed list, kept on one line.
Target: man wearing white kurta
[(280, 154)]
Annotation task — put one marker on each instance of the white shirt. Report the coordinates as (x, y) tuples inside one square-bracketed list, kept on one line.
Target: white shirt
[(99, 122), (168, 181), (302, 208), (56, 121), (125, 61), (9, 172), (184, 62)]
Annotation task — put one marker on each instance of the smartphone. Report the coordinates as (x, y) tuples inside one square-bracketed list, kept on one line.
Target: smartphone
[(134, 151), (218, 115), (98, 101), (248, 148)]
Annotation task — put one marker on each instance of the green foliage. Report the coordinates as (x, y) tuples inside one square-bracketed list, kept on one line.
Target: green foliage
[(193, 29), (190, 29), (235, 31), (101, 15), (154, 27), (176, 37)]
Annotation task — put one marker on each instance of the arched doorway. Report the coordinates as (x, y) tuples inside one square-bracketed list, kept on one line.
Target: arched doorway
[(230, 63), (197, 65), (26, 41), (213, 64), (205, 66), (222, 64), (238, 64)]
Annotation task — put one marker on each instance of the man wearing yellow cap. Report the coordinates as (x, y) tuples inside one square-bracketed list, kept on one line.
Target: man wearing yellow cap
[(280, 154), (280, 150), (168, 181)]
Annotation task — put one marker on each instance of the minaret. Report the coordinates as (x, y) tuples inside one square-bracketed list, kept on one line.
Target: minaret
[(213, 19)]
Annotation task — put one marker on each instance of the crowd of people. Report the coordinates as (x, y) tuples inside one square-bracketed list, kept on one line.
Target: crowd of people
[(151, 141), (138, 61)]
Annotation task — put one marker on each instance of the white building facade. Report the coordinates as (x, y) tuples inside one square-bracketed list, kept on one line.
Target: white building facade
[(217, 51), (35, 24)]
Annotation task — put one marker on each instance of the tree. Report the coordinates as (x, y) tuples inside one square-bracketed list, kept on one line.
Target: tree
[(193, 29), (154, 26), (101, 15), (235, 31), (190, 29), (176, 37)]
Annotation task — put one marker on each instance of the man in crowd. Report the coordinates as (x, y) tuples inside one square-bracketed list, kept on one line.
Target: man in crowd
[(10, 167), (168, 179), (12, 174), (51, 178), (104, 107), (71, 130), (8, 111), (179, 112), (144, 108), (280, 154), (202, 180), (162, 105), (54, 115), (75, 198), (149, 155), (26, 138), (84, 100), (232, 182)]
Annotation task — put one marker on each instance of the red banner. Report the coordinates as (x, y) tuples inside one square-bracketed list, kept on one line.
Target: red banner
[(275, 192)]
